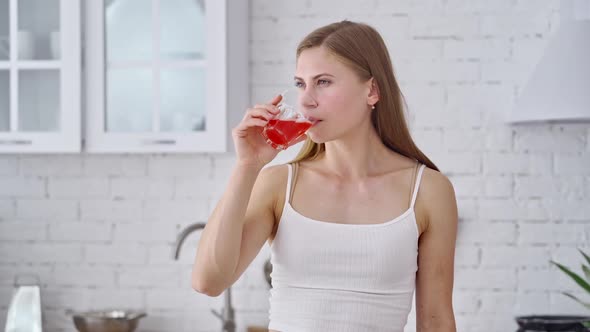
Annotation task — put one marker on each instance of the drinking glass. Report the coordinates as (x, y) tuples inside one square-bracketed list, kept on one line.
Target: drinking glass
[(287, 126)]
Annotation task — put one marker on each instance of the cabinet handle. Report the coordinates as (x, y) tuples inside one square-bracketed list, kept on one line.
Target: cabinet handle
[(16, 142), (159, 142)]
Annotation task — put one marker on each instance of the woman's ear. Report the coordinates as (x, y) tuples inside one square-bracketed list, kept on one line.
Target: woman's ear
[(373, 96)]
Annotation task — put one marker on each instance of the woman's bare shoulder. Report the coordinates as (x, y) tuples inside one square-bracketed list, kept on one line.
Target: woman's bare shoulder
[(274, 177), (275, 170), (436, 193), (435, 185)]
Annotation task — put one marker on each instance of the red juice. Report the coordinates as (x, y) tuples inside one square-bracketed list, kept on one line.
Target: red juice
[(280, 133)]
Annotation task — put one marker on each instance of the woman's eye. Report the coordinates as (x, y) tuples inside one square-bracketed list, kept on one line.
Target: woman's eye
[(298, 84), (323, 82)]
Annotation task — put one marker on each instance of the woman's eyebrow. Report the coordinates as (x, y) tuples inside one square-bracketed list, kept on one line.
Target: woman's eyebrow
[(316, 76)]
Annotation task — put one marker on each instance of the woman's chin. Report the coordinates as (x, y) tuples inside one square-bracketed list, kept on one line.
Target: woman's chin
[(315, 138), (311, 135), (319, 135)]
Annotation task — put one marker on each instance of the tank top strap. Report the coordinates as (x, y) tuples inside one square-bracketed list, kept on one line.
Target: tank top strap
[(292, 175), (417, 185), (288, 188)]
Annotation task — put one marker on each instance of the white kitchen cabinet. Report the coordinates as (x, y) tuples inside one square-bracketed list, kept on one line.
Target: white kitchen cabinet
[(40, 53), (161, 76)]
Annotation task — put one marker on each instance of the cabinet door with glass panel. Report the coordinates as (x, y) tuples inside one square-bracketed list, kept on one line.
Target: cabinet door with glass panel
[(156, 78), (39, 76)]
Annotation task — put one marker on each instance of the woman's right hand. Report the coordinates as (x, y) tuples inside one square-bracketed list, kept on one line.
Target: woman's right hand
[(251, 147)]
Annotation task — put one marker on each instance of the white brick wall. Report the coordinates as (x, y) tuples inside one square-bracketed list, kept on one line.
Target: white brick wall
[(99, 229)]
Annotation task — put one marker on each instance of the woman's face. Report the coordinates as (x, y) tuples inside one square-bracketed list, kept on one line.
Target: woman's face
[(332, 93)]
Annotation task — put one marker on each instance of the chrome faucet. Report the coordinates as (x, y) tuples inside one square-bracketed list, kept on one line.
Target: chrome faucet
[(227, 315)]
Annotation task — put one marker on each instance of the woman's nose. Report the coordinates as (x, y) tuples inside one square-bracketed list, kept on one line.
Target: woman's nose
[(307, 100)]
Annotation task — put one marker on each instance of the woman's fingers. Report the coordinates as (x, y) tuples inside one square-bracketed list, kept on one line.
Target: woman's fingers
[(259, 112), (258, 116), (265, 111), (242, 129), (252, 122), (276, 100), (271, 108)]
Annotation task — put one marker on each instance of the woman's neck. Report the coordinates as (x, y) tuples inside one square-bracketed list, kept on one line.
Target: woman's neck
[(358, 155)]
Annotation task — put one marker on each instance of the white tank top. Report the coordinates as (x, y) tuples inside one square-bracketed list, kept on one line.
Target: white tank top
[(342, 277)]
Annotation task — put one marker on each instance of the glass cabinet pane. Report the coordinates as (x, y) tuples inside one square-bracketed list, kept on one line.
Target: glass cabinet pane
[(182, 30), (128, 30), (129, 100), (154, 66), (38, 101), (4, 30), (38, 29), (4, 100), (182, 100)]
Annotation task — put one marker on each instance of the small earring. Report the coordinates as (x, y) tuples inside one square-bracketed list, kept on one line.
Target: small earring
[(372, 107)]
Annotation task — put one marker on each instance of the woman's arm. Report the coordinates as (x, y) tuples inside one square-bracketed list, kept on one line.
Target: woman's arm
[(237, 229), (436, 253)]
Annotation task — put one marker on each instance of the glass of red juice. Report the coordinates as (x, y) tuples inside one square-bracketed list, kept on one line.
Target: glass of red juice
[(286, 127)]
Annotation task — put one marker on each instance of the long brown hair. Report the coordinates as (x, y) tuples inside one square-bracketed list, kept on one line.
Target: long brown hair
[(361, 47)]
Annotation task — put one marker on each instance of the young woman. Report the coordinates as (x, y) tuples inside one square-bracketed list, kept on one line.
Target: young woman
[(358, 221)]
